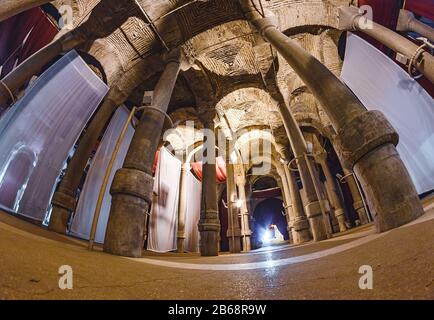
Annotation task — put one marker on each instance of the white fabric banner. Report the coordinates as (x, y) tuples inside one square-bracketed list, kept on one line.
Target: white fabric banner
[(83, 217), (163, 220), (382, 85), (192, 215), (37, 134)]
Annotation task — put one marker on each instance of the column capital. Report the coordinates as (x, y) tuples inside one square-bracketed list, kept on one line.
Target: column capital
[(404, 20), (207, 116), (347, 17), (262, 23)]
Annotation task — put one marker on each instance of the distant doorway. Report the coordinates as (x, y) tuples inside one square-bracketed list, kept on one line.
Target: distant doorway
[(270, 224)]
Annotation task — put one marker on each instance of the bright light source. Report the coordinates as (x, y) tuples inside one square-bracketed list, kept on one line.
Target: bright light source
[(266, 237)]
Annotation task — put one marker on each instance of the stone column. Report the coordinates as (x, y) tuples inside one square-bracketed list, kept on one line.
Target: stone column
[(299, 224), (234, 230), (245, 217), (209, 223), (34, 64), (289, 215), (352, 18), (407, 22), (365, 139), (312, 206), (132, 186), (321, 158), (64, 199), (182, 208), (357, 197), (10, 8)]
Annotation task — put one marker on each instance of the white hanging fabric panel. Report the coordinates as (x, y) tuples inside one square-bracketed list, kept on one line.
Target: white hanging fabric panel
[(38, 133), (83, 217), (163, 220), (382, 85), (192, 215)]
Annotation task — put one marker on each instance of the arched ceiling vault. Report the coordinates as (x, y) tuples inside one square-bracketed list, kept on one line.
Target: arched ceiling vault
[(232, 68)]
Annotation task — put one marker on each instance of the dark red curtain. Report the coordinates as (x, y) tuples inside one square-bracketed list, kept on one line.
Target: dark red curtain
[(424, 8), (220, 169), (23, 35)]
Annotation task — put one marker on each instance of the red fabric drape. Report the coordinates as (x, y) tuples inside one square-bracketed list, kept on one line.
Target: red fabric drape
[(23, 35), (220, 169), (423, 8)]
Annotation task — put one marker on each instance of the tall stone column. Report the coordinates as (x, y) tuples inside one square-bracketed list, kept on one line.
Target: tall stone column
[(352, 18), (10, 8), (64, 199), (299, 224), (182, 208), (132, 186), (312, 206), (209, 223), (321, 158), (289, 215), (357, 197), (234, 230), (246, 233), (365, 140), (34, 64)]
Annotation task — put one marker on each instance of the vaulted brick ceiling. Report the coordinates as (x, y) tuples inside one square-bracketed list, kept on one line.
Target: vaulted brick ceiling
[(230, 62)]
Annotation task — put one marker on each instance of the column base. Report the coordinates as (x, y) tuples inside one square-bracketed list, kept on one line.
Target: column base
[(124, 235), (247, 243), (300, 231), (389, 188), (63, 207), (180, 243), (361, 212), (340, 217), (59, 220), (209, 243), (131, 195), (235, 245), (316, 221)]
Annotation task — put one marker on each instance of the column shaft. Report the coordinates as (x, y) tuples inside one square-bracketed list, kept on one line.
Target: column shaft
[(331, 187), (357, 198), (133, 184), (182, 208), (209, 224), (245, 217), (289, 215), (64, 199), (234, 230), (299, 224), (407, 22), (312, 205)]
